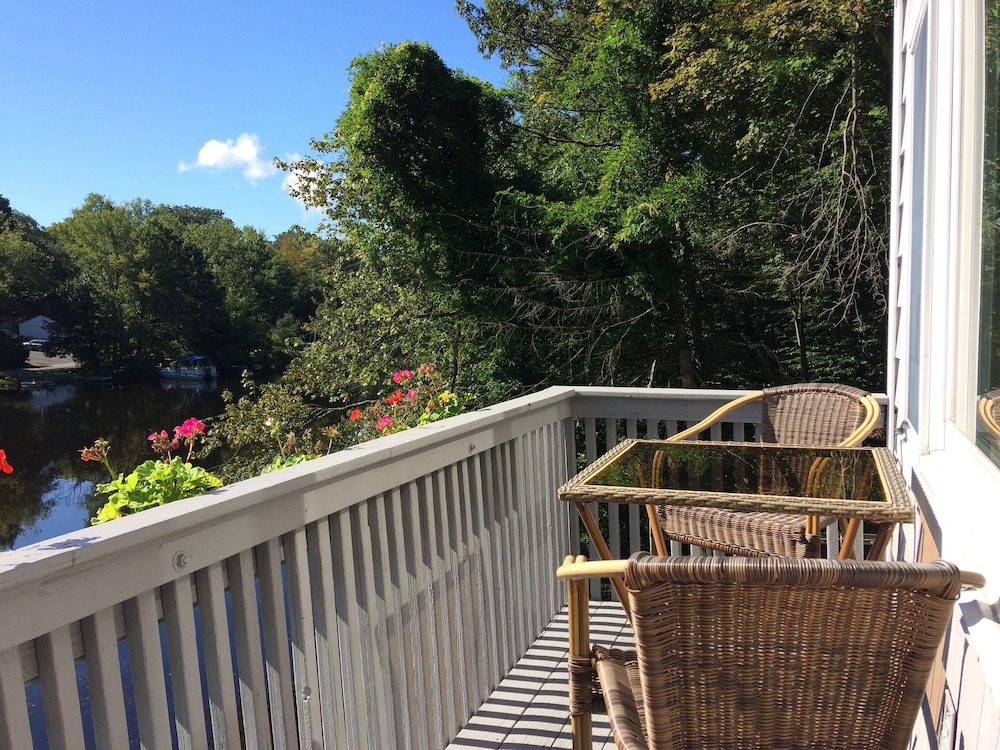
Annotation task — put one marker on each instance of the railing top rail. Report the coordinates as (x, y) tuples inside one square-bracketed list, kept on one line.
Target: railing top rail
[(664, 403), (59, 580)]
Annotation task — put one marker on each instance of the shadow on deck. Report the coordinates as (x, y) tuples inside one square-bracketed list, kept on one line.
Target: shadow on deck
[(528, 708)]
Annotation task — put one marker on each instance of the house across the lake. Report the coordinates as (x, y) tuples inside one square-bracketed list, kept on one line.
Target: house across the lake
[(34, 328)]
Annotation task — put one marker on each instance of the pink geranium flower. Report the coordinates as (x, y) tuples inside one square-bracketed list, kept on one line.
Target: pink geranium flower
[(383, 423), (190, 428)]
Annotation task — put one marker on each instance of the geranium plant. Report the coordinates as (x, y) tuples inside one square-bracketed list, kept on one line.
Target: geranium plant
[(416, 398), (153, 482), (291, 452)]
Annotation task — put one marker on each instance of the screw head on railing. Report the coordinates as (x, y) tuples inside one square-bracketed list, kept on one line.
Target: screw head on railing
[(472, 448), (181, 560), (306, 694)]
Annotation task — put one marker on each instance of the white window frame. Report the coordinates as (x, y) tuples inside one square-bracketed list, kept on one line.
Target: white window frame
[(956, 485)]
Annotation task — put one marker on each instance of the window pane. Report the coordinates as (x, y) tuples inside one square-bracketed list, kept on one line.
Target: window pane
[(987, 431), (917, 219)]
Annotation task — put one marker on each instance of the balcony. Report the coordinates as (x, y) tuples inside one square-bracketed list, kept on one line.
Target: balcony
[(372, 598)]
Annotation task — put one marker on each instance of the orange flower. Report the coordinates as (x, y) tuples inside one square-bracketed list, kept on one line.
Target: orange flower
[(355, 415)]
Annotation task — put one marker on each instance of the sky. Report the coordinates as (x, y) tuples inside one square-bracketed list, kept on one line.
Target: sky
[(188, 102)]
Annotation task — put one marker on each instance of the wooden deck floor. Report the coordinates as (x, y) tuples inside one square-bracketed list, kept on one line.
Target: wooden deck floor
[(528, 709)]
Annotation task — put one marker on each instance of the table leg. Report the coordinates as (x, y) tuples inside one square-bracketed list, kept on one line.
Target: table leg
[(847, 543), (659, 541), (812, 525), (881, 541), (594, 531)]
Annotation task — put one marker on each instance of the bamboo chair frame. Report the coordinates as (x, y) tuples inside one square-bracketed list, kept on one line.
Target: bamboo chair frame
[(813, 660), (826, 434)]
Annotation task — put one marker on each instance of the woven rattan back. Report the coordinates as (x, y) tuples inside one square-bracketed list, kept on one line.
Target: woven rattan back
[(811, 413), (776, 652)]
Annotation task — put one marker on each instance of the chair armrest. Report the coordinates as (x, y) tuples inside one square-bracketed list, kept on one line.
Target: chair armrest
[(972, 579), (716, 415), (872, 416), (572, 570)]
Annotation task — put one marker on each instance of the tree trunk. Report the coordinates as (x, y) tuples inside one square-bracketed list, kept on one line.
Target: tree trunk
[(795, 305)]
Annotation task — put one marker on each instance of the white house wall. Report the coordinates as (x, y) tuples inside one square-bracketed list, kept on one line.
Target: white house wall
[(34, 328), (934, 260)]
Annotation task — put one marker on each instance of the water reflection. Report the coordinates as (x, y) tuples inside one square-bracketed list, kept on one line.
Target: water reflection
[(51, 491)]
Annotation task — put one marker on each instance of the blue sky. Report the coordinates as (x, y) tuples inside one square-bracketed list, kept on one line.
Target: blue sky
[(187, 103)]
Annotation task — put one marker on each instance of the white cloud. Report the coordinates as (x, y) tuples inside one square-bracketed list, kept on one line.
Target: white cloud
[(244, 153)]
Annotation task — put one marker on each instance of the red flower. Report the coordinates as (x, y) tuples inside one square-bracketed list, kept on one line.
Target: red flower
[(5, 467), (394, 397), (355, 415)]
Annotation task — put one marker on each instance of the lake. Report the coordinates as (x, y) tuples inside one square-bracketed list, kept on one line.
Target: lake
[(52, 491)]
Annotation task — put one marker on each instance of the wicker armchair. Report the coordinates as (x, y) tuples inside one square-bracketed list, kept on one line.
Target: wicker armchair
[(817, 414), (735, 652)]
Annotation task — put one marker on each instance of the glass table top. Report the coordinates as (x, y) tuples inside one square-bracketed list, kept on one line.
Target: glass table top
[(847, 482), (834, 473)]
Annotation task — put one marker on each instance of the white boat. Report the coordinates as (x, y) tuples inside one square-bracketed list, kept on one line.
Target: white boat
[(192, 367)]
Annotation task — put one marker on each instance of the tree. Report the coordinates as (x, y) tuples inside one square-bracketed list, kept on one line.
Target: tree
[(792, 102), (99, 319), (667, 192), (146, 279), (30, 267)]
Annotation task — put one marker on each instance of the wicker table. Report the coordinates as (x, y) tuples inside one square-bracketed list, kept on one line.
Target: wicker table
[(861, 484)]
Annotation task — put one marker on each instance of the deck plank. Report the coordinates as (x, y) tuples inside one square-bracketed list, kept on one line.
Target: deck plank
[(528, 708)]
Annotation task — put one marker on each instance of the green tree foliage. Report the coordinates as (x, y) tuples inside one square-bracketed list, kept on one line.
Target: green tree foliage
[(12, 354), (150, 283), (671, 192), (99, 318), (30, 266), (733, 153), (416, 160), (140, 291), (366, 328), (791, 101), (370, 326)]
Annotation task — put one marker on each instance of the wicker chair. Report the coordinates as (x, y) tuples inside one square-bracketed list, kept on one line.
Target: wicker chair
[(818, 414), (735, 652)]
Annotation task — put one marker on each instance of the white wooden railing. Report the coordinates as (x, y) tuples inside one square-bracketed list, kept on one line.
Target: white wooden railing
[(371, 598)]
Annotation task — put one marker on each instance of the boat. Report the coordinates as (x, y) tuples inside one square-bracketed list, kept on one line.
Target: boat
[(191, 367), (193, 390)]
